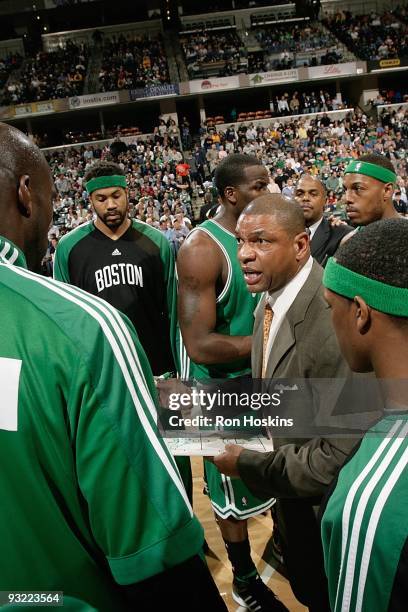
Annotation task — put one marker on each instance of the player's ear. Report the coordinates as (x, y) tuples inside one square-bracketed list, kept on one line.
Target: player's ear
[(230, 194), (24, 202), (388, 191), (363, 315)]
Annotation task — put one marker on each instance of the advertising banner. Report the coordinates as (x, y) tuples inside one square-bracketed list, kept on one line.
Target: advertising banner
[(6, 112), (397, 62), (98, 99), (216, 84), (275, 76), (22, 109), (154, 91), (44, 107), (332, 70)]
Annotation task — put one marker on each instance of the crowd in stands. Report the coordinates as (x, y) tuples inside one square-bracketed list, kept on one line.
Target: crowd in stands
[(159, 191), (8, 63), (169, 189), (50, 75), (137, 61), (201, 49), (371, 37), (402, 13), (191, 7), (305, 102), (296, 38), (297, 103), (128, 63), (281, 43), (389, 96)]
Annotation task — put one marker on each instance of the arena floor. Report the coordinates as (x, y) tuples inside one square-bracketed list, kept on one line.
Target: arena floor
[(260, 529)]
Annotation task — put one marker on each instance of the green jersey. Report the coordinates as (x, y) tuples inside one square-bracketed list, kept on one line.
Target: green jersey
[(11, 254), (234, 317), (91, 497), (234, 309), (365, 526)]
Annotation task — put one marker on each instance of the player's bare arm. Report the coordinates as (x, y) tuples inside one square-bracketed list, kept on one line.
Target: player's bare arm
[(202, 270)]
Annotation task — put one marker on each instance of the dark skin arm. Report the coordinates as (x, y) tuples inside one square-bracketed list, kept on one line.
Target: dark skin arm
[(200, 266)]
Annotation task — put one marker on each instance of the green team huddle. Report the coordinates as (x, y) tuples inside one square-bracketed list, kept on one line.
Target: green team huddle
[(92, 501)]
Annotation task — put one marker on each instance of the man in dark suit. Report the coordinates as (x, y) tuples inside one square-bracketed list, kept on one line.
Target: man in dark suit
[(325, 238), (300, 343)]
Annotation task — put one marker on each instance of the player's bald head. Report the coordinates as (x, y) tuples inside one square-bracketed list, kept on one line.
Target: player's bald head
[(27, 191), (286, 212), (18, 154)]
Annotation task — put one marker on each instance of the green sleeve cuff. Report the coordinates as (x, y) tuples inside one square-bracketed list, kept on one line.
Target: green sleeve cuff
[(180, 546)]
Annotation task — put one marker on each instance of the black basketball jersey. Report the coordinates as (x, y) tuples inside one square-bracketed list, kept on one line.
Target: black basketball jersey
[(134, 273)]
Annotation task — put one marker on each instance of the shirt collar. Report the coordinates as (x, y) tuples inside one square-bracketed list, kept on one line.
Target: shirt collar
[(11, 254), (313, 227), (280, 301)]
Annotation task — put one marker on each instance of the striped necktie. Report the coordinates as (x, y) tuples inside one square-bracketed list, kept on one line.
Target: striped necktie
[(267, 322)]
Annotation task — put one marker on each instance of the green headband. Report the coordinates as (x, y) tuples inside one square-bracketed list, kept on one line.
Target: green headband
[(385, 298), (378, 172), (101, 182)]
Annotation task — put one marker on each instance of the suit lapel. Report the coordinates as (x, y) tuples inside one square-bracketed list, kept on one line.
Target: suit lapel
[(285, 338), (320, 237)]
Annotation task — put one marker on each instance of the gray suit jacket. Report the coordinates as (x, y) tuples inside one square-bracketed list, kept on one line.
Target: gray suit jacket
[(305, 347)]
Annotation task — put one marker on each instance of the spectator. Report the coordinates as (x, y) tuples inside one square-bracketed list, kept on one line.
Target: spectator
[(288, 189), (371, 37), (222, 48), (49, 75), (132, 62), (400, 206), (282, 43)]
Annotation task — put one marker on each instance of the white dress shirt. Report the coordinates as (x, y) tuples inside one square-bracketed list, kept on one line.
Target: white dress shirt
[(313, 228), (280, 301)]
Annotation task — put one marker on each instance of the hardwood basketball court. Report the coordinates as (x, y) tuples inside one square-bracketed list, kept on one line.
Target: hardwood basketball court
[(260, 529)]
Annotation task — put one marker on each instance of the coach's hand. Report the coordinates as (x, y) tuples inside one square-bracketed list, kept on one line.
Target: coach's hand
[(171, 388), (226, 462)]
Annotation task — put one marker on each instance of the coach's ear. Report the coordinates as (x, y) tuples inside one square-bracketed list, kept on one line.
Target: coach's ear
[(24, 196)]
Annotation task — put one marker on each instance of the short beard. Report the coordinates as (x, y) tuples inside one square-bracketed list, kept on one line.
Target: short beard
[(112, 224), (116, 223)]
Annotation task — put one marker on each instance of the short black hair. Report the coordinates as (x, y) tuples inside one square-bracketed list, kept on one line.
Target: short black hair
[(288, 212), (314, 178), (102, 168), (379, 251), (229, 172), (379, 160)]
